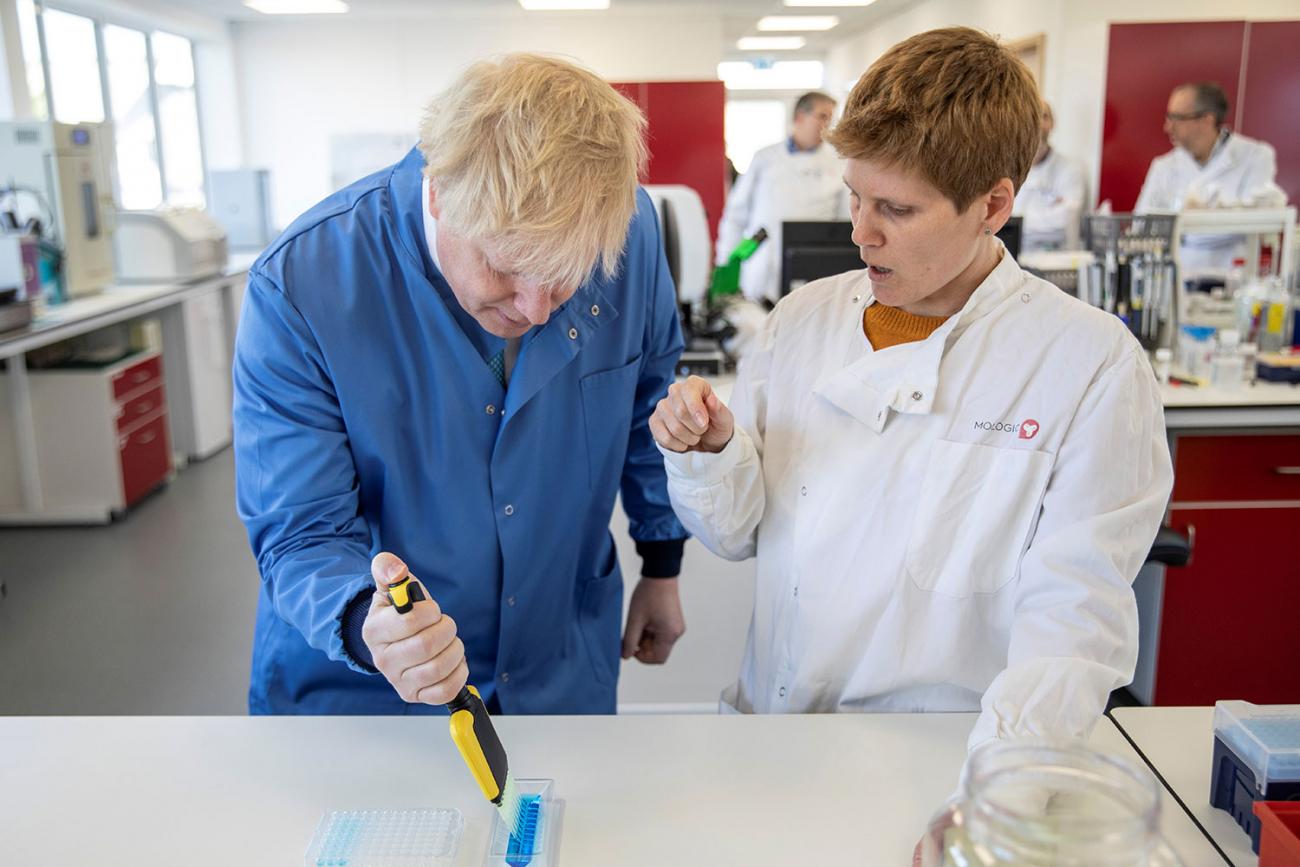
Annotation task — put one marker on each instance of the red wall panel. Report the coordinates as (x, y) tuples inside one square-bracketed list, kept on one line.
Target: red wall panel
[(685, 136), (1144, 63), (1271, 98)]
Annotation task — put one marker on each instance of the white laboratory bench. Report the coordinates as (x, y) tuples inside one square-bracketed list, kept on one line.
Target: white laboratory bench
[(1258, 405), (1179, 742), (638, 790), (196, 356)]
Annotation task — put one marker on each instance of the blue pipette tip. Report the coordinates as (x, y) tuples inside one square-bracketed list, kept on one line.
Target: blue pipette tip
[(520, 852)]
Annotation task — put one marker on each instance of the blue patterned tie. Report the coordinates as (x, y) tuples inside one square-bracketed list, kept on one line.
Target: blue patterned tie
[(498, 365)]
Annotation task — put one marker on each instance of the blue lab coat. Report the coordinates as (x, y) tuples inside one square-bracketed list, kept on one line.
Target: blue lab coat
[(366, 419)]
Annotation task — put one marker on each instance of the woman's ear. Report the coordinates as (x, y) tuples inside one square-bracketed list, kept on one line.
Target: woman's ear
[(998, 204)]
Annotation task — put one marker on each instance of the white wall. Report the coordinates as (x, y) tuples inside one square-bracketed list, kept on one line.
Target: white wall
[(301, 82), (1074, 73)]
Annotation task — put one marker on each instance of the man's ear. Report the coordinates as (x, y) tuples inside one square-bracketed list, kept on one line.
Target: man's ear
[(432, 204)]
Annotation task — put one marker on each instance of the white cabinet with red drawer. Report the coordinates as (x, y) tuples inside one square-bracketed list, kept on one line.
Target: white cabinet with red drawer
[(102, 440)]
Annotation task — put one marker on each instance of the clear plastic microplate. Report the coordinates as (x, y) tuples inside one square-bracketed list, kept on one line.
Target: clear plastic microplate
[(386, 838)]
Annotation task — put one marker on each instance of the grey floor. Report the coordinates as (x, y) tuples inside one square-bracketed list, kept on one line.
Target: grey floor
[(154, 613), (150, 615)]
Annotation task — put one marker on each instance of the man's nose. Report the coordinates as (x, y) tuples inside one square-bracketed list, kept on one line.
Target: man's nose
[(534, 304)]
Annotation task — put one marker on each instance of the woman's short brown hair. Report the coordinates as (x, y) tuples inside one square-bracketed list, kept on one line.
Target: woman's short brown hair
[(951, 104)]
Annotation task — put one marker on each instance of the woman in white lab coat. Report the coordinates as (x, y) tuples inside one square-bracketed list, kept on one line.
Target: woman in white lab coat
[(950, 471)]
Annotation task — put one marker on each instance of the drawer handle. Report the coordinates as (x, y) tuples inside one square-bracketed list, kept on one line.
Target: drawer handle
[(142, 408), (147, 438), (1287, 471), (140, 376)]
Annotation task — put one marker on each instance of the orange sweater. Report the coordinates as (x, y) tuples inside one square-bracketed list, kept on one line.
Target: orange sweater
[(890, 326)]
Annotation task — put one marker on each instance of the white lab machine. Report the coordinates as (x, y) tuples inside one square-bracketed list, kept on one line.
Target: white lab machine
[(685, 231), (61, 172), (168, 244)]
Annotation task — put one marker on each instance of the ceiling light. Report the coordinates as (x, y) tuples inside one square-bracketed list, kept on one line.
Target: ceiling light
[(770, 43), (782, 75), (558, 5), (297, 7), (829, 2), (797, 22)]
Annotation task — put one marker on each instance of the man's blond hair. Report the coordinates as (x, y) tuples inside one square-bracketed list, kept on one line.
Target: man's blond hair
[(540, 159), (952, 105)]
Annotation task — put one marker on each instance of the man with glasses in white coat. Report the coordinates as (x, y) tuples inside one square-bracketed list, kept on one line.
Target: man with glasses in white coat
[(1210, 166)]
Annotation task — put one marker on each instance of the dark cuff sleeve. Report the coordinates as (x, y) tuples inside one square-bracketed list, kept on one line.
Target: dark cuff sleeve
[(354, 617), (661, 558)]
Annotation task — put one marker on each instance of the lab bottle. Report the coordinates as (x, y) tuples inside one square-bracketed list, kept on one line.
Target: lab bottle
[(1163, 362), (1275, 318), (1249, 361), (1236, 277), (1251, 302), (1227, 367), (1196, 349), (1034, 803)]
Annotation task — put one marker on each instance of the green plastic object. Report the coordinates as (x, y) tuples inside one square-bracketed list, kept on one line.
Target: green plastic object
[(726, 278)]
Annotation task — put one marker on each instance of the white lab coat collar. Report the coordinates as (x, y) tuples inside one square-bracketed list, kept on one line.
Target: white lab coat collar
[(904, 379), (430, 224)]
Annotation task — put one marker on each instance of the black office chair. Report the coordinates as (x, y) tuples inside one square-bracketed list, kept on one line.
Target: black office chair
[(1171, 548)]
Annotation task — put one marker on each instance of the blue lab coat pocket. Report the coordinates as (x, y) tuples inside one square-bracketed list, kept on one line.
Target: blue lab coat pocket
[(600, 614), (608, 400)]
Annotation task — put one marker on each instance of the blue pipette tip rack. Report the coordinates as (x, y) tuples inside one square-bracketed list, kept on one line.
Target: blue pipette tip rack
[(386, 838)]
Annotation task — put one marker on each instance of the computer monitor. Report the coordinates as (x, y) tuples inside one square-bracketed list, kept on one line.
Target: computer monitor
[(811, 250)]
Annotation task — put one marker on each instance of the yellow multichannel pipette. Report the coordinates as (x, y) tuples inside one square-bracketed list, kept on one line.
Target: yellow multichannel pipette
[(471, 727)]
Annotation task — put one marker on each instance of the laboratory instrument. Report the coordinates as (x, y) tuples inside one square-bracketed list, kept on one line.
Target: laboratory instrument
[(60, 175), (471, 727), (537, 841), (1256, 758), (168, 244), (1134, 274)]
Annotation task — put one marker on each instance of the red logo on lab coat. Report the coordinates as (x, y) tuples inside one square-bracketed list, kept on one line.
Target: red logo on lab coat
[(1028, 429)]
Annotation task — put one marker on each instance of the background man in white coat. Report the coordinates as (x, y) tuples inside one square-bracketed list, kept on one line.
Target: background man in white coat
[(1053, 197), (1210, 166), (795, 179), (949, 470)]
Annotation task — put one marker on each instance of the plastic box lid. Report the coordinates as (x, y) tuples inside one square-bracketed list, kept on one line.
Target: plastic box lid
[(1265, 737)]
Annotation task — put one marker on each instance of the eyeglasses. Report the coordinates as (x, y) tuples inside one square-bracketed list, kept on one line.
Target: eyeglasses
[(1191, 115)]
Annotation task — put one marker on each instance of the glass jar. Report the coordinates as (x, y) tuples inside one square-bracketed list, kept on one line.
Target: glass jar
[(1035, 803)]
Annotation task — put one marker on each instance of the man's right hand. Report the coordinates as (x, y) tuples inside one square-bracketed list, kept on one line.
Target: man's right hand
[(417, 651), (692, 418)]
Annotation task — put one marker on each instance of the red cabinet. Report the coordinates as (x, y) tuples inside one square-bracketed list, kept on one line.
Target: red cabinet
[(105, 440), (685, 137), (1230, 619), (145, 458)]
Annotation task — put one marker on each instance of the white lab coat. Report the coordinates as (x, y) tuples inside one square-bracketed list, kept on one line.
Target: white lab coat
[(1241, 172), (948, 525), (779, 185), (1051, 201)]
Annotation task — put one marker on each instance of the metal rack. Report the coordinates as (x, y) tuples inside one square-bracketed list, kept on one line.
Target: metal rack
[(1134, 272)]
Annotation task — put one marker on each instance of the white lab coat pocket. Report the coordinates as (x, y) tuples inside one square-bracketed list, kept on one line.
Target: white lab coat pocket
[(976, 508)]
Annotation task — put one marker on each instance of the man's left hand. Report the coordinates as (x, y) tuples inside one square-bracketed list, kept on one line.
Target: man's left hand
[(654, 621)]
